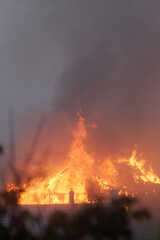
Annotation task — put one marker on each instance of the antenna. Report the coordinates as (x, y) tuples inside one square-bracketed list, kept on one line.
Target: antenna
[(12, 146), (35, 141), (12, 137)]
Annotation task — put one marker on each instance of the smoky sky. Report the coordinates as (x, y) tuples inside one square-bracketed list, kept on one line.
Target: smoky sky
[(100, 56), (114, 72)]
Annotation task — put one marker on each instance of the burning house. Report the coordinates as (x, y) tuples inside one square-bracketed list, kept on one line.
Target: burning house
[(89, 181)]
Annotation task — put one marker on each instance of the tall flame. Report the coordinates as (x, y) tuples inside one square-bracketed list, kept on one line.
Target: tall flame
[(80, 175), (77, 170)]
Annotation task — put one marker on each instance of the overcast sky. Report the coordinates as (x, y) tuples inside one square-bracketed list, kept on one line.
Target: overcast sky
[(103, 54), (31, 58)]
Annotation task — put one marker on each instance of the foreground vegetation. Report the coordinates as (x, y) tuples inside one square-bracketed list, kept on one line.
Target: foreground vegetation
[(95, 221)]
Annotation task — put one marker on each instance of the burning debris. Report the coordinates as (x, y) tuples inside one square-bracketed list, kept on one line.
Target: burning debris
[(90, 182)]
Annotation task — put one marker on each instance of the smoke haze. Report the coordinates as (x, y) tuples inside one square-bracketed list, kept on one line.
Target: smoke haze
[(100, 55), (114, 73)]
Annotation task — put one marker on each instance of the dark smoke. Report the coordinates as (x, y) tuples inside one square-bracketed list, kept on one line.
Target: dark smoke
[(113, 73), (108, 53)]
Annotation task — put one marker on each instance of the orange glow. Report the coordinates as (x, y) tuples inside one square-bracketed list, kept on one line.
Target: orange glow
[(144, 174), (84, 176), (77, 170)]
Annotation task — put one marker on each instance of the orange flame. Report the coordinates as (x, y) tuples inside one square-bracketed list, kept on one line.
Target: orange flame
[(145, 175), (79, 173)]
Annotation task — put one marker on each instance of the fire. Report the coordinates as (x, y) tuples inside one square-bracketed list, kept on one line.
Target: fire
[(80, 174), (145, 175), (77, 170)]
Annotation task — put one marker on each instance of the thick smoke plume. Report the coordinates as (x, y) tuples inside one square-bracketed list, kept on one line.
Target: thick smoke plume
[(113, 73), (106, 54)]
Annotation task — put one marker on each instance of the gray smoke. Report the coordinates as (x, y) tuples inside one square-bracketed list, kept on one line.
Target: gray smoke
[(100, 55), (113, 73)]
